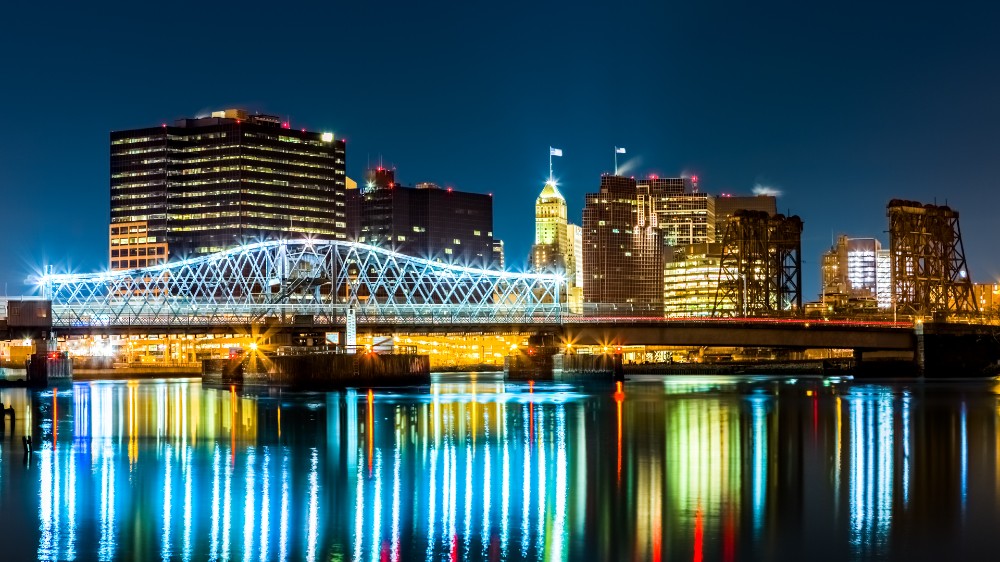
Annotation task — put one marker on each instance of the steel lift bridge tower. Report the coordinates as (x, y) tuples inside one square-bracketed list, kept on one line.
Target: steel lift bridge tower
[(760, 272), (929, 272), (285, 281)]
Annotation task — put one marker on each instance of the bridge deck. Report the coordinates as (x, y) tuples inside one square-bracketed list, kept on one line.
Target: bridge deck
[(749, 332)]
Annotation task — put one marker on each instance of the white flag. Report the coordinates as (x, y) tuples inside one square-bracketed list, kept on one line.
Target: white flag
[(555, 151), (619, 150)]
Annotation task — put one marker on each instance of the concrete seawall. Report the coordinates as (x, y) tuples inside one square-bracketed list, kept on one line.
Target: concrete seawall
[(338, 370), (319, 371)]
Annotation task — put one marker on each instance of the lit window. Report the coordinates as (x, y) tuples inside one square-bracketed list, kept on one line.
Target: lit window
[(447, 251)]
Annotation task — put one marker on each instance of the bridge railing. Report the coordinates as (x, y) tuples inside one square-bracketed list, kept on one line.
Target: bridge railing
[(181, 314), (172, 312)]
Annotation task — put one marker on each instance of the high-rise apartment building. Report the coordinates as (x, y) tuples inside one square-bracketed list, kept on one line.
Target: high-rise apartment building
[(206, 184), (424, 221), (558, 244), (622, 248)]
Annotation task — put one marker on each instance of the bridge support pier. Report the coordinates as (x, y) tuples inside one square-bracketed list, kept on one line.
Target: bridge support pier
[(531, 366), (884, 364), (45, 369), (540, 360), (947, 350)]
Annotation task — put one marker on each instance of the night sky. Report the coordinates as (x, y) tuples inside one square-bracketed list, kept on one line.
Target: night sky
[(839, 105)]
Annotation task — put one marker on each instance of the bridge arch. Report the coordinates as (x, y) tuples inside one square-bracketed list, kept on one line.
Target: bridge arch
[(281, 279)]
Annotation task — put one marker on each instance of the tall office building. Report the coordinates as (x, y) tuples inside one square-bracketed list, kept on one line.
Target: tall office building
[(558, 244), (683, 215), (424, 221), (206, 184), (551, 226), (574, 282), (622, 248), (727, 204), (691, 281), (857, 270), (834, 270), (883, 278), (987, 298)]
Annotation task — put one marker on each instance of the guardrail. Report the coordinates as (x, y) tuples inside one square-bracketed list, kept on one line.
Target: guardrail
[(347, 350)]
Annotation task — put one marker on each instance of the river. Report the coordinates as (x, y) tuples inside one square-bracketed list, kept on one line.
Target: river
[(472, 467)]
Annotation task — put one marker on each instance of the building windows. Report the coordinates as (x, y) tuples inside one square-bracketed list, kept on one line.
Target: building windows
[(137, 246)]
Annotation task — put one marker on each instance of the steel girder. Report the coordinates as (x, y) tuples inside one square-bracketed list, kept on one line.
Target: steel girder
[(277, 281), (760, 271), (929, 271)]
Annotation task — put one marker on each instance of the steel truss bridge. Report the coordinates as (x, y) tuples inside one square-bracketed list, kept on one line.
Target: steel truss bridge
[(313, 285), (284, 282)]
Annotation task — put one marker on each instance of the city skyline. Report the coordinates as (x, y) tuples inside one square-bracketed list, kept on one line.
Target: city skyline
[(841, 127)]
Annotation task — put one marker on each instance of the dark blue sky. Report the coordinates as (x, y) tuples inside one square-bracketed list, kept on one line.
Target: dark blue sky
[(841, 106)]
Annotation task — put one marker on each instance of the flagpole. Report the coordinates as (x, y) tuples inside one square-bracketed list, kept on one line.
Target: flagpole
[(550, 164)]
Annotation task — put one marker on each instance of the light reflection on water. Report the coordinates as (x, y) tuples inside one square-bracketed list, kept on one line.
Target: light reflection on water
[(475, 468)]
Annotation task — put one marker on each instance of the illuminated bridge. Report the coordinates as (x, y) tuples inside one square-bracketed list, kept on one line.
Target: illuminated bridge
[(307, 282), (313, 285)]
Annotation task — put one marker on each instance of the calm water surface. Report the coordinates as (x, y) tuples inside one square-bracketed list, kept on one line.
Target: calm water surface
[(472, 467)]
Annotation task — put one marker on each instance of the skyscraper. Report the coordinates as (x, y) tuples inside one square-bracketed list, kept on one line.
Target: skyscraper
[(558, 244), (551, 226), (727, 204), (856, 274), (683, 215), (622, 249), (206, 184), (425, 221), (691, 281)]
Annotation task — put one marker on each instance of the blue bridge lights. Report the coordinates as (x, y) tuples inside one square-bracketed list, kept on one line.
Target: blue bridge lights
[(279, 280)]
